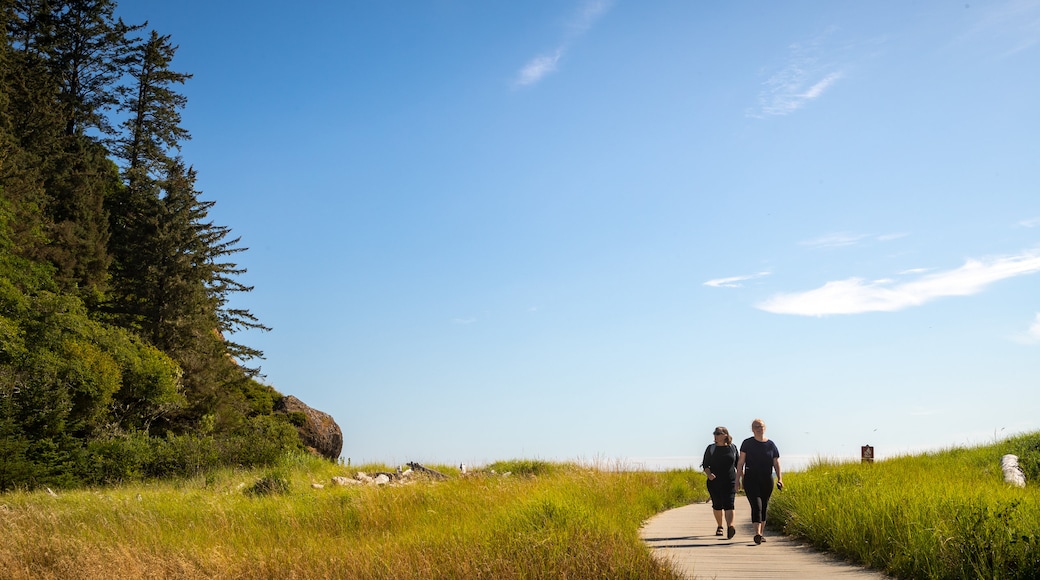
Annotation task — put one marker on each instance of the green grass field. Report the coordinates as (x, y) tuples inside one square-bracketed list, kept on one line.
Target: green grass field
[(543, 521), (938, 515)]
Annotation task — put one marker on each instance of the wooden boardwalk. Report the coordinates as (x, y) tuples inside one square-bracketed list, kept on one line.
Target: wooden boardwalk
[(685, 538)]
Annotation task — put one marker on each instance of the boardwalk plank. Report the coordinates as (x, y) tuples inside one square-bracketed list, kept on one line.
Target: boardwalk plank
[(685, 538)]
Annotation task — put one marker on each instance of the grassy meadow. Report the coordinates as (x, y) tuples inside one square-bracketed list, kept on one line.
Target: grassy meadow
[(947, 514), (545, 520), (937, 515)]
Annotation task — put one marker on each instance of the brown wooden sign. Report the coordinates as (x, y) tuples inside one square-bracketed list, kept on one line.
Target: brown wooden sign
[(866, 453)]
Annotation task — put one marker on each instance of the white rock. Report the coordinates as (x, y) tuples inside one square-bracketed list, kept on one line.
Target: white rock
[(317, 486), (381, 479), (1013, 474), (340, 480)]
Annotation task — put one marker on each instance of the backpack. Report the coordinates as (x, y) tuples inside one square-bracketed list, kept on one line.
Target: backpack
[(733, 452)]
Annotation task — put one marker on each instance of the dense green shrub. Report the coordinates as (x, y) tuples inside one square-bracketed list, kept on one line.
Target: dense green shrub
[(185, 455), (525, 467), (273, 482), (118, 459), (260, 441)]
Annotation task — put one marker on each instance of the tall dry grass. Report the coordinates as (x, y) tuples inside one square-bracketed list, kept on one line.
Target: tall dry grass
[(544, 521)]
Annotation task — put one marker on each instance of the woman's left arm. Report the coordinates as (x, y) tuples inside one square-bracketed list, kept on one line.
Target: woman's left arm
[(740, 471)]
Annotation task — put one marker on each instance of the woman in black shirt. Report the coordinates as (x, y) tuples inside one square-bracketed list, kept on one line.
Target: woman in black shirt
[(759, 457), (720, 466)]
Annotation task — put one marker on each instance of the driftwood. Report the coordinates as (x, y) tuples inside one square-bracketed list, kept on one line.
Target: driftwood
[(421, 469)]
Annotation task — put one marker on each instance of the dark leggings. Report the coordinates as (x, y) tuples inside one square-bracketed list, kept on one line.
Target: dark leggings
[(758, 488)]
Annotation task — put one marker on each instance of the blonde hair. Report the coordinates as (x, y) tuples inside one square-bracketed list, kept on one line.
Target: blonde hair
[(758, 422)]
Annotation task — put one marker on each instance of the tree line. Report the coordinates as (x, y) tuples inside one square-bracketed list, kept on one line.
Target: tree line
[(115, 285)]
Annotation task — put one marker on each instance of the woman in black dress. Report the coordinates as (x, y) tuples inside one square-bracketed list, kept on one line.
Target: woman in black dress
[(720, 466), (759, 457)]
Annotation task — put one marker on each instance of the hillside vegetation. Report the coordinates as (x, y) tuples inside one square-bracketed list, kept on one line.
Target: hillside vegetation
[(947, 514), (116, 361)]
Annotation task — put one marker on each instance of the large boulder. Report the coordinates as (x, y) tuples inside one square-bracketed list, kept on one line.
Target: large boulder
[(318, 430)]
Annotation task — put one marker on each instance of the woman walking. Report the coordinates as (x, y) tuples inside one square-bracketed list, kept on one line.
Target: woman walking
[(759, 457), (720, 466)]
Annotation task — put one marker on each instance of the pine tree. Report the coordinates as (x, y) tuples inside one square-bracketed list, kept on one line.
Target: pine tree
[(29, 25), (152, 129), (140, 249), (211, 265), (30, 124), (187, 285), (87, 49), (172, 283), (66, 61)]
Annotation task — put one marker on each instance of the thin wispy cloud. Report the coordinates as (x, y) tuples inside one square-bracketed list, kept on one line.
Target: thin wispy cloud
[(1029, 223), (734, 281), (590, 12), (890, 237), (845, 239), (1034, 330), (537, 68), (803, 78), (1031, 335), (856, 295), (835, 240), (816, 90), (546, 63)]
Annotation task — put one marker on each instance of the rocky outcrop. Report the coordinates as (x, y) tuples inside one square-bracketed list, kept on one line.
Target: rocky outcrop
[(415, 473), (318, 430)]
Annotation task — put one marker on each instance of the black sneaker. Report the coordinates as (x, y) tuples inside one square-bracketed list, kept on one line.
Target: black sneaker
[(758, 538)]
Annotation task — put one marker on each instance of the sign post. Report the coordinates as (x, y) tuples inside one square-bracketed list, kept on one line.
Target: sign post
[(866, 454)]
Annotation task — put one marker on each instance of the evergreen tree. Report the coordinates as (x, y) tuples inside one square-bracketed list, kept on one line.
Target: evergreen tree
[(29, 24), (80, 179), (171, 278), (141, 249), (29, 128), (66, 60), (152, 128), (87, 49), (172, 283)]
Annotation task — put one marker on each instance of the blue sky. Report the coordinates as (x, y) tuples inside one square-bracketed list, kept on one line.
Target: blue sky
[(594, 230)]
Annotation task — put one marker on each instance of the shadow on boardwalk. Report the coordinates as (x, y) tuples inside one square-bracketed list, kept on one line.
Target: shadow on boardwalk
[(685, 538)]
